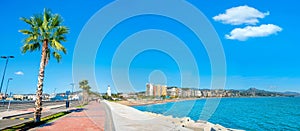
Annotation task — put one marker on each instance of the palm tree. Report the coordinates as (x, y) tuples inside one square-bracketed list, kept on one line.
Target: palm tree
[(47, 32), (84, 85)]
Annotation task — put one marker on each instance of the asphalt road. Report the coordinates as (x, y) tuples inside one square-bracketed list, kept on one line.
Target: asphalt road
[(8, 122), (26, 105)]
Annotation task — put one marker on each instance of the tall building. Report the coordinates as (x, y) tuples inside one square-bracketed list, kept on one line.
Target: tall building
[(156, 90), (164, 90), (149, 89)]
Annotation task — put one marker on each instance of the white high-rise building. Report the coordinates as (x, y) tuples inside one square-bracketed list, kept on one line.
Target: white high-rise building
[(108, 91), (149, 89)]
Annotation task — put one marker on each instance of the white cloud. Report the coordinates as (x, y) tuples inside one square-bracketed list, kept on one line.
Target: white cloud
[(241, 15), (19, 73), (243, 34)]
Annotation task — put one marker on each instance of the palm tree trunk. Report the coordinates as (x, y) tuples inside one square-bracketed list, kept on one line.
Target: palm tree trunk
[(39, 91), (84, 96)]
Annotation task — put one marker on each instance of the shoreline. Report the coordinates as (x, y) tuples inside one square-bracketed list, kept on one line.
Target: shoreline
[(129, 118), (152, 102)]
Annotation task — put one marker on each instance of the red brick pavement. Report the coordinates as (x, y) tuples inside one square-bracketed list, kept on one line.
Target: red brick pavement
[(90, 119)]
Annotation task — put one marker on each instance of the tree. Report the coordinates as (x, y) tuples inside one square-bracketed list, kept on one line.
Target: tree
[(84, 85), (47, 32), (163, 96)]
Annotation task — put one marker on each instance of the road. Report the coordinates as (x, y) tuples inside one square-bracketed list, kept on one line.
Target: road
[(29, 117), (26, 105)]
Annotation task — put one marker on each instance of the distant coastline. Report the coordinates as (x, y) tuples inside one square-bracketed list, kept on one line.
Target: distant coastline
[(152, 102), (160, 94)]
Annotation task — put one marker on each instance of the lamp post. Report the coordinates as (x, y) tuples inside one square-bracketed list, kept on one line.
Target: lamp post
[(7, 58), (72, 93), (72, 84), (7, 86)]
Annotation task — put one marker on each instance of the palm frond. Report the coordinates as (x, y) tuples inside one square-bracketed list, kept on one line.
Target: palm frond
[(26, 32), (57, 46), (61, 38), (47, 15), (28, 21), (84, 84), (30, 40), (30, 47), (59, 34), (57, 56), (38, 20), (56, 21), (61, 30)]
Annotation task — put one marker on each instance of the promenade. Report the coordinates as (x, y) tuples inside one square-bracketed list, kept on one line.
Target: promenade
[(111, 116), (91, 118)]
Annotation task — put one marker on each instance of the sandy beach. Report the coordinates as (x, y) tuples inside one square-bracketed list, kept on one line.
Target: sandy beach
[(149, 102)]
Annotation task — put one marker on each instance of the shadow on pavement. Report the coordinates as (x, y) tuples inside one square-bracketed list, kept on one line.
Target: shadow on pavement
[(47, 124), (77, 110)]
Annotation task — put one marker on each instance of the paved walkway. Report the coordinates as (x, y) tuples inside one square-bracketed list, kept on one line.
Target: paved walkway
[(90, 119), (130, 119)]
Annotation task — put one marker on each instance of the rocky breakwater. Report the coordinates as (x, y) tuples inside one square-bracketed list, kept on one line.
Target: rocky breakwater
[(191, 124)]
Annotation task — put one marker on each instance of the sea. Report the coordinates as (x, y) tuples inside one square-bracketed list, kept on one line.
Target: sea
[(253, 114)]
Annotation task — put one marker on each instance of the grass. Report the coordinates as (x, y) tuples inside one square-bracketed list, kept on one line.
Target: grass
[(32, 124), (82, 105)]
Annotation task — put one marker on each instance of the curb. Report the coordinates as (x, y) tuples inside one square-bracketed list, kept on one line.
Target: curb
[(7, 117)]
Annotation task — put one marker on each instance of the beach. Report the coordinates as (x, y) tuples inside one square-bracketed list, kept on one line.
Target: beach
[(149, 102)]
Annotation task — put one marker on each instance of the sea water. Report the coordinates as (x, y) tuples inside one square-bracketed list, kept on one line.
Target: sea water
[(264, 113)]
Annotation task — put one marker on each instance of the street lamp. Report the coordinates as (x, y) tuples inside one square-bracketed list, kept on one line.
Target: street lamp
[(72, 93), (7, 86), (72, 84), (7, 58)]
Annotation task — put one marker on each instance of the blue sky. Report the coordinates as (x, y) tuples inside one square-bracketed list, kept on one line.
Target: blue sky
[(268, 59)]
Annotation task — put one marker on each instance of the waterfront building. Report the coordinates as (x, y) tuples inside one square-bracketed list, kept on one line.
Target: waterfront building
[(18, 97), (187, 92), (149, 89), (164, 90), (156, 90), (179, 92), (124, 95), (128, 95), (207, 93), (173, 91), (184, 93), (30, 97), (198, 93)]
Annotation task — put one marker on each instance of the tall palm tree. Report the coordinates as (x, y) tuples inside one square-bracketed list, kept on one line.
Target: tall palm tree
[(47, 32), (84, 85)]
